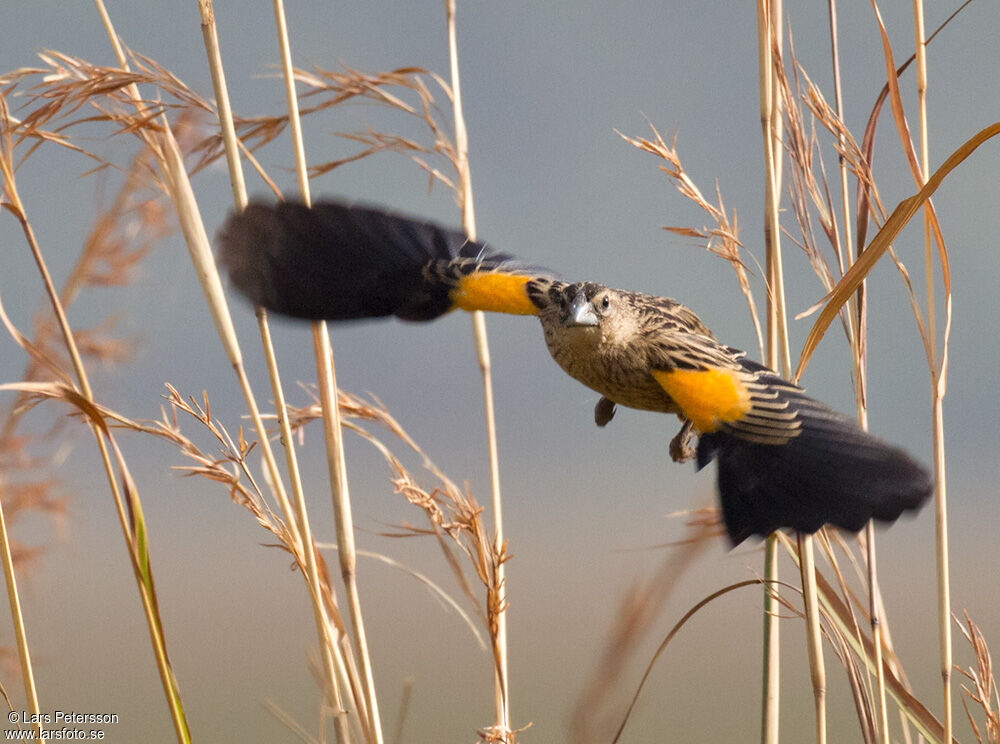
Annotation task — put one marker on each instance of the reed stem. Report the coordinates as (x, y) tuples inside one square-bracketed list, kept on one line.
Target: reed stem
[(481, 340), (298, 521), (331, 412), (937, 390), (767, 13)]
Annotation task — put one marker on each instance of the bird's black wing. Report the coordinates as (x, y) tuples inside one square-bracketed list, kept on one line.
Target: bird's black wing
[(335, 261), (785, 460)]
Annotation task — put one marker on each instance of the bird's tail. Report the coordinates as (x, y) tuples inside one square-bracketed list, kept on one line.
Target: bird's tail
[(337, 262), (830, 472)]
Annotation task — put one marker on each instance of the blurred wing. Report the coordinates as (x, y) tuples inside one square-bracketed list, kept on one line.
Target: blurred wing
[(785, 459), (336, 261)]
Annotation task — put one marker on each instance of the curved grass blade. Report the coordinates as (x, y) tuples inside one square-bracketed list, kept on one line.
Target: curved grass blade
[(900, 217)]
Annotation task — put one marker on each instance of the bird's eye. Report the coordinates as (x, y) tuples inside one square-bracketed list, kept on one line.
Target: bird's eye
[(605, 302)]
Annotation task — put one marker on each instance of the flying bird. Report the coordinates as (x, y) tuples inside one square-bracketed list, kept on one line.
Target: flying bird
[(784, 459)]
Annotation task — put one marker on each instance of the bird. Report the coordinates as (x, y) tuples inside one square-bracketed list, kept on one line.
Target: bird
[(784, 460)]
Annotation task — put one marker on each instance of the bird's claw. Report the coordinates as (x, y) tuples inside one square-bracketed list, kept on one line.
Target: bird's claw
[(604, 411), (681, 449)]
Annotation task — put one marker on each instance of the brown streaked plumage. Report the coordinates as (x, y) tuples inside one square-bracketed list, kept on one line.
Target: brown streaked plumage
[(784, 460), (614, 358)]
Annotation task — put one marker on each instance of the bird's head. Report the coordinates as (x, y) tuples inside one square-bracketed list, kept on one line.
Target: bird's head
[(595, 311), (577, 308)]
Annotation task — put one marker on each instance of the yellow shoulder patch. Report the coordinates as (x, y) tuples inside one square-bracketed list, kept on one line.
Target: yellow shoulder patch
[(707, 397), (493, 293)]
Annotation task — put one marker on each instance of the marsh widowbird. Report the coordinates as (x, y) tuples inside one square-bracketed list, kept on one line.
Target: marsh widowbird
[(784, 459)]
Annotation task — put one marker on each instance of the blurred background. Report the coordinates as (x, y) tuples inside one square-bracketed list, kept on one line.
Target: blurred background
[(587, 510)]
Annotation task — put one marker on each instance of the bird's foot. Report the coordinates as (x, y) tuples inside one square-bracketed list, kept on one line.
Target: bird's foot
[(681, 449), (604, 411)]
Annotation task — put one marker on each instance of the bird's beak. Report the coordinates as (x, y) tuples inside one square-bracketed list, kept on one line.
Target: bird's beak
[(581, 312)]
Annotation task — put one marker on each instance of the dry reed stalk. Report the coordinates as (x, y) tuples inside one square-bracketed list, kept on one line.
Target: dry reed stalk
[(197, 241), (830, 306), (984, 692), (352, 84), (198, 245), (938, 373), (136, 534), (455, 518), (874, 596), (817, 666), (920, 52), (108, 258), (16, 615), (674, 170), (102, 249), (773, 104), (597, 713), (329, 649), (231, 469), (778, 346), (841, 162), (769, 13), (838, 610), (938, 370), (807, 191), (832, 630), (938, 378), (857, 333), (857, 676), (452, 514), (878, 639), (852, 279), (213, 53), (941, 521), (132, 524), (333, 437), (331, 418), (723, 239), (769, 51), (501, 729), (179, 189), (859, 164)]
